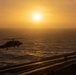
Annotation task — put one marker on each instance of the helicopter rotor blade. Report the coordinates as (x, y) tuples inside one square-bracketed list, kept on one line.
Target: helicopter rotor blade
[(10, 38)]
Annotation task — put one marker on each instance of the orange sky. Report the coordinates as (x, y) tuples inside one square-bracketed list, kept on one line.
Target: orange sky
[(55, 13)]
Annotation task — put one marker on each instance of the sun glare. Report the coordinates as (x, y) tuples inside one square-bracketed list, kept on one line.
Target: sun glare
[(37, 17)]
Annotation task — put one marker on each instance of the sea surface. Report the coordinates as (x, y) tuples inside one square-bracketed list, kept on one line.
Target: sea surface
[(37, 44)]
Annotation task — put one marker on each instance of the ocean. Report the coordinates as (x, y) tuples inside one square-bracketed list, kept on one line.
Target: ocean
[(37, 44)]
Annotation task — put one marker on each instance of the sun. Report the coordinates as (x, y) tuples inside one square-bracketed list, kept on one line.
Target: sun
[(37, 17)]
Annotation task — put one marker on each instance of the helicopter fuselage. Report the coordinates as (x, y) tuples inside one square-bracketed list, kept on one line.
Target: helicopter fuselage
[(11, 44)]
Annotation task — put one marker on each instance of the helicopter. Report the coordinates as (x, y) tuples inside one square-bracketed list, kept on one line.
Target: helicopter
[(11, 43)]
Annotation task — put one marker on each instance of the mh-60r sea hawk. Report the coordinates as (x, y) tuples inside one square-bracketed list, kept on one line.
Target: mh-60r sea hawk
[(12, 43)]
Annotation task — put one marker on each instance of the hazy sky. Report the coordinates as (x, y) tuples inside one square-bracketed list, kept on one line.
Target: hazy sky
[(17, 13)]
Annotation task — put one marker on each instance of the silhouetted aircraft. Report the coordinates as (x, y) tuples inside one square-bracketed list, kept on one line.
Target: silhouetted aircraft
[(12, 43)]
